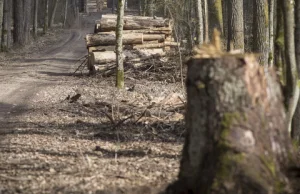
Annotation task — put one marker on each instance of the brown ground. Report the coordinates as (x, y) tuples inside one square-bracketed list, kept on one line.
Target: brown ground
[(108, 141)]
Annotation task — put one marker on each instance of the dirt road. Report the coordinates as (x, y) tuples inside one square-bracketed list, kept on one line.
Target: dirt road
[(102, 143)]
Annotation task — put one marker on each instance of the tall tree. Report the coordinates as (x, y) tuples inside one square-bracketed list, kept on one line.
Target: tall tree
[(199, 21), (46, 16), (206, 36), (296, 118), (18, 33), (292, 89), (272, 34), (1, 20), (119, 45), (27, 20), (235, 24), (150, 8), (53, 14), (35, 18), (215, 15), (261, 30), (65, 13)]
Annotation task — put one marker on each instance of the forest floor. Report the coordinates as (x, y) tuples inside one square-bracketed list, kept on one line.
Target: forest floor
[(106, 141)]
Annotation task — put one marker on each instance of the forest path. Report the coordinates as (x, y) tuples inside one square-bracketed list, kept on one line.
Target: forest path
[(50, 145), (25, 77)]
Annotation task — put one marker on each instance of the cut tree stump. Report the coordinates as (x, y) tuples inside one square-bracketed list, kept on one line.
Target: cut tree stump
[(236, 140)]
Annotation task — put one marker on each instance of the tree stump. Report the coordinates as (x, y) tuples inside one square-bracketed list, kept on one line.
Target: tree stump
[(236, 141)]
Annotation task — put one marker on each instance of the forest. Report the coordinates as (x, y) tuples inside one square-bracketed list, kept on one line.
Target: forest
[(150, 96)]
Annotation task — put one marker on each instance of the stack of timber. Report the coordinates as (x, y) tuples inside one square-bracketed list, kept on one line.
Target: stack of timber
[(143, 38)]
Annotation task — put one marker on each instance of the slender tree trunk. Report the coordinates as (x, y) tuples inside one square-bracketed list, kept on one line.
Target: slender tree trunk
[(261, 30), (1, 20), (206, 36), (53, 14), (296, 118), (3, 36), (46, 17), (272, 34), (150, 8), (27, 20), (119, 45), (235, 25), (65, 13), (18, 23), (215, 15), (9, 22), (292, 88), (199, 21), (35, 19)]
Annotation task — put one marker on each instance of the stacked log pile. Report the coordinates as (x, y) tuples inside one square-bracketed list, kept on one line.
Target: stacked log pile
[(143, 38)]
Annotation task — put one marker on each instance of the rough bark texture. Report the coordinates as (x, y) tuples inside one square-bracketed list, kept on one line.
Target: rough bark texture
[(261, 30), (296, 119), (235, 25), (236, 139), (119, 46)]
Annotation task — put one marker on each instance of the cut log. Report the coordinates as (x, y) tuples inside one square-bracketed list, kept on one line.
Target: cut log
[(156, 45), (237, 140), (162, 30), (106, 25), (114, 16), (110, 39), (102, 57), (128, 39)]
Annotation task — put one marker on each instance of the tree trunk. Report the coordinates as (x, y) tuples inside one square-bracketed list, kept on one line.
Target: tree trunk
[(206, 35), (119, 46), (3, 38), (261, 30), (215, 15), (296, 118), (9, 22), (234, 119), (53, 13), (150, 8), (235, 25), (1, 20), (65, 13), (18, 34), (46, 16), (27, 20), (199, 21), (272, 34), (292, 88), (35, 19)]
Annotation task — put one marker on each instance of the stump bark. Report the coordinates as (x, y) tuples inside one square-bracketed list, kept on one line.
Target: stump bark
[(236, 140)]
